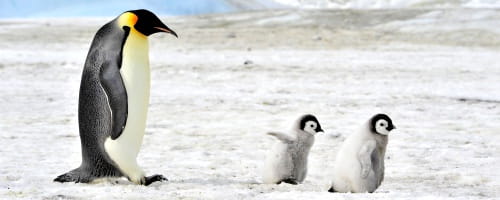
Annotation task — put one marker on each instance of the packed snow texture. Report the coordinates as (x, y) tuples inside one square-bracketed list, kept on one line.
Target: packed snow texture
[(435, 72)]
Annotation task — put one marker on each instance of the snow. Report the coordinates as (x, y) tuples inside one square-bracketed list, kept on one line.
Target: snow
[(389, 4), (209, 112)]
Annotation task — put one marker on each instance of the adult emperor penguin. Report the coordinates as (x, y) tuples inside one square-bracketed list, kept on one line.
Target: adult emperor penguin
[(359, 166), (114, 98), (287, 161)]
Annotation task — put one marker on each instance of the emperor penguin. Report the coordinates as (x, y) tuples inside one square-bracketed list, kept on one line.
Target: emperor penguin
[(359, 166), (287, 160), (114, 98)]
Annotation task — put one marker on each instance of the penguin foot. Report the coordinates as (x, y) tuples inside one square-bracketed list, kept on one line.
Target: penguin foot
[(154, 178), (65, 178), (72, 176), (289, 181), (332, 190)]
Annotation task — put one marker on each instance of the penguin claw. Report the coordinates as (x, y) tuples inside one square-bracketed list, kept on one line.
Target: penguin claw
[(154, 178), (63, 178), (332, 190)]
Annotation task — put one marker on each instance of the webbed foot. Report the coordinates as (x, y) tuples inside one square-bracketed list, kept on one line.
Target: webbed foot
[(154, 178), (76, 175)]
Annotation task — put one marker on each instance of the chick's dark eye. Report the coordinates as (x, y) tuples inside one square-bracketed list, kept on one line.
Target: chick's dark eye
[(312, 125)]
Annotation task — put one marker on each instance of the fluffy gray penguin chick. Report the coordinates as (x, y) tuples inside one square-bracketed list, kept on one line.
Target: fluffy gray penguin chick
[(287, 160), (359, 166)]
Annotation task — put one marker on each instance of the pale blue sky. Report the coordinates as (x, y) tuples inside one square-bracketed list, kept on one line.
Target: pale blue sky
[(84, 8)]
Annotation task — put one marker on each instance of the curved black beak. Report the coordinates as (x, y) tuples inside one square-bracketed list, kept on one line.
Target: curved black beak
[(167, 30)]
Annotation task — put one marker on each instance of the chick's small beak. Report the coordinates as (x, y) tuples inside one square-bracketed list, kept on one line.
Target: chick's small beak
[(167, 30)]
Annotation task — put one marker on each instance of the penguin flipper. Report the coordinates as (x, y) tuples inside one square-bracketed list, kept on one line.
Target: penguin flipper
[(114, 88), (364, 157), (282, 137)]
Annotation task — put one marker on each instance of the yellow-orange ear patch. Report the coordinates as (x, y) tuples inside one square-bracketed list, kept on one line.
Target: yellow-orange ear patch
[(128, 19)]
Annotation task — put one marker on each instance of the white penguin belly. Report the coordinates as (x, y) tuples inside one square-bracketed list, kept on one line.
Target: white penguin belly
[(135, 73), (278, 164), (347, 169)]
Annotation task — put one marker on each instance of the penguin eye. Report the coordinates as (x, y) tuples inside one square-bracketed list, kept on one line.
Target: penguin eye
[(310, 124)]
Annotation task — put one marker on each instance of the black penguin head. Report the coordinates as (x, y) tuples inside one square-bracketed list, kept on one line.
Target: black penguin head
[(310, 124), (381, 124), (145, 22)]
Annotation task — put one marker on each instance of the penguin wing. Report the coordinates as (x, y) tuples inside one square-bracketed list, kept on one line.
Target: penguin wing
[(112, 82), (364, 157), (285, 138)]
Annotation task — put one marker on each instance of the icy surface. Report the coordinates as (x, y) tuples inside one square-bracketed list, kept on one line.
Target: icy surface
[(436, 75)]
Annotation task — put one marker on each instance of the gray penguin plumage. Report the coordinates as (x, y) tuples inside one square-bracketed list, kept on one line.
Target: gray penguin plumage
[(104, 102), (359, 166), (287, 161)]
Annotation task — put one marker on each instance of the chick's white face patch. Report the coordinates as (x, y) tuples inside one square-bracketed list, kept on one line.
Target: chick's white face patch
[(381, 127), (310, 127)]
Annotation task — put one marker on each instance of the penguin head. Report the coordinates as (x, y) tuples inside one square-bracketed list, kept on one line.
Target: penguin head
[(144, 21), (310, 124), (381, 124)]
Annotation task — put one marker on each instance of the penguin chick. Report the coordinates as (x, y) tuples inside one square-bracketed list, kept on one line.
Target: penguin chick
[(114, 98), (287, 161), (359, 166)]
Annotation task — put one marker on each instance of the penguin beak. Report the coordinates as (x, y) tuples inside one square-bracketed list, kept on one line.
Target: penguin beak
[(320, 131), (167, 30)]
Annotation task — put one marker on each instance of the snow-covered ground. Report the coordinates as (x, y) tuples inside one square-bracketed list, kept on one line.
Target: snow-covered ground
[(435, 72)]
